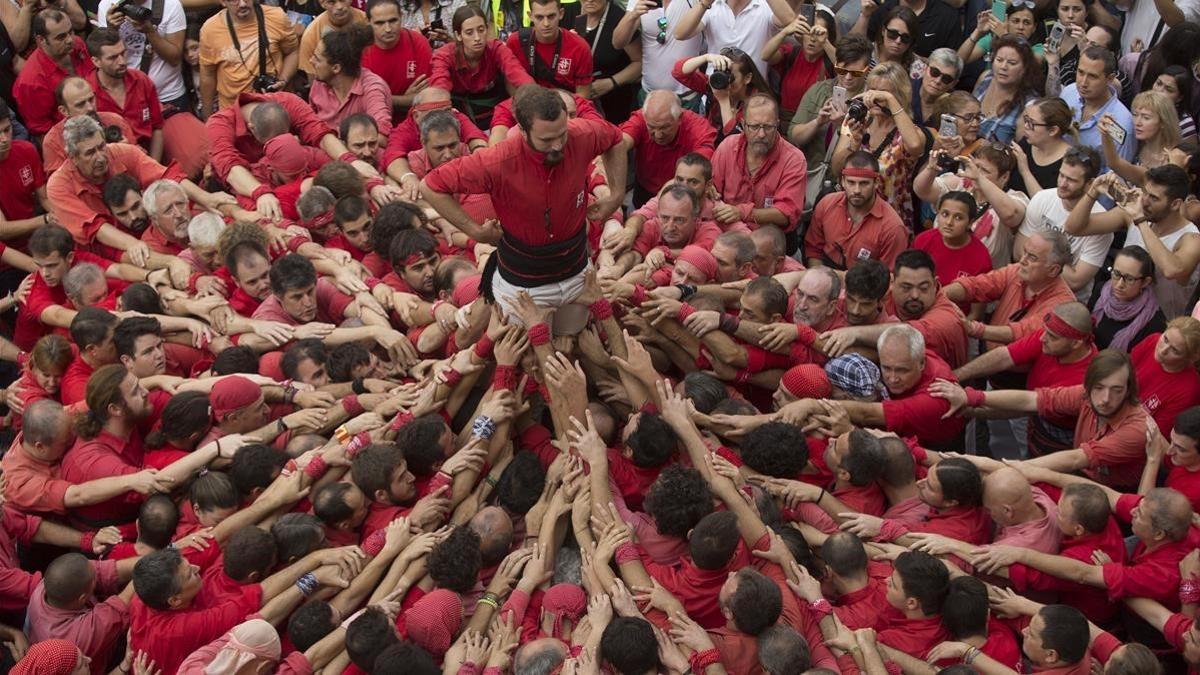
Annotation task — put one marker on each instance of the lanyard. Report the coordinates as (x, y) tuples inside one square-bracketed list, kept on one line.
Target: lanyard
[(532, 52), (599, 26)]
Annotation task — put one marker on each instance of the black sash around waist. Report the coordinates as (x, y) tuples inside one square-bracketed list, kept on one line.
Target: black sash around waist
[(528, 266)]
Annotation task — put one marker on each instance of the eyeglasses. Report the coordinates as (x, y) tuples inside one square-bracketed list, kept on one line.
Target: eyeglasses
[(759, 128), (973, 118), (859, 72), (1029, 122), (732, 53), (897, 36), (661, 38), (936, 74), (1124, 278)]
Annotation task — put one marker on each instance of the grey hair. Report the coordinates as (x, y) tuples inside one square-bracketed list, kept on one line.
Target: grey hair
[(742, 245), (835, 281), (947, 57), (77, 130), (1060, 246), (568, 566), (782, 650), (439, 120), (678, 191), (41, 421), (915, 341), (542, 662), (316, 200), (676, 106), (79, 277), (157, 189), (205, 229)]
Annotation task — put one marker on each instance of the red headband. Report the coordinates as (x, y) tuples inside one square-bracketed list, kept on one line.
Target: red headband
[(860, 172), (320, 221), (1056, 325), (431, 105)]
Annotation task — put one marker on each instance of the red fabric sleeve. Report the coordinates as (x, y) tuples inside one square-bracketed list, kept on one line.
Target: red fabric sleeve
[(697, 81)]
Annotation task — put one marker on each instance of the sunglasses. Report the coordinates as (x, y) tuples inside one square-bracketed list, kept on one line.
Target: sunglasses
[(936, 74), (1018, 4), (896, 36), (850, 71), (1078, 156), (732, 53), (661, 38)]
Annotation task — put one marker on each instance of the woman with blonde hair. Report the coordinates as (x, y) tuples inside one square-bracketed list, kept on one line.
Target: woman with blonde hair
[(1156, 128), (889, 133), (1049, 131)]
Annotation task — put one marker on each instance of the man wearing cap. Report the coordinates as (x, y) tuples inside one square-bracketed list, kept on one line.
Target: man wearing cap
[(239, 406), (406, 138), (854, 377), (285, 160), (1024, 291), (1055, 355), (855, 224), (538, 181)]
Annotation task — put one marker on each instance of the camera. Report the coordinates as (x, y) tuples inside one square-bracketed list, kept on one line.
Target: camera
[(112, 134), (265, 83), (133, 11), (436, 24), (857, 110), (720, 79), (948, 164)]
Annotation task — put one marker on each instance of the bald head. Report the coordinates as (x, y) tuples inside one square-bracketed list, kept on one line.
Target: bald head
[(495, 531), (268, 120), (75, 97), (1007, 494), (539, 657), (431, 95)]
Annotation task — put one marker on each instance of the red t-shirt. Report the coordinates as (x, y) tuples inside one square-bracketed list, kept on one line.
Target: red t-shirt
[(952, 263), (401, 65), (1164, 395), (41, 296), (1047, 371), (21, 174), (1092, 601), (1186, 482), (798, 74), (919, 413), (573, 67), (1149, 574), (331, 306), (406, 137)]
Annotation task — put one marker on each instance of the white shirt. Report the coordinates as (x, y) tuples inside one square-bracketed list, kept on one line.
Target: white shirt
[(167, 79), (1172, 296), (1045, 211), (1142, 21), (747, 31), (658, 60)]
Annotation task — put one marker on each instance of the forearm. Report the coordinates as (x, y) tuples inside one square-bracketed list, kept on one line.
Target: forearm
[(95, 491), (988, 363), (1002, 334), (242, 181), (1149, 475), (291, 63), (1011, 401), (864, 414), (109, 235), (169, 48), (690, 23), (279, 582), (280, 607), (1064, 461), (349, 600), (181, 470), (58, 535), (208, 88)]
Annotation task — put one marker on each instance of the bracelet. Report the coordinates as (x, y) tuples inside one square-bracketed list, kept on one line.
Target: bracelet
[(820, 496), (685, 291), (281, 426), (686, 310), (1189, 592), (316, 468), (453, 377), (406, 175), (490, 480), (539, 334), (289, 394), (357, 386), (483, 347), (45, 218), (483, 427), (485, 600), (400, 420), (730, 323), (972, 654), (821, 608), (601, 309), (307, 583), (85, 541), (341, 434)]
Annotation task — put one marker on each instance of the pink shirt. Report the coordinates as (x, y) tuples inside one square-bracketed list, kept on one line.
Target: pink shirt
[(661, 548), (16, 585), (93, 628), (779, 182), (369, 94), (331, 306), (294, 664), (1039, 535)]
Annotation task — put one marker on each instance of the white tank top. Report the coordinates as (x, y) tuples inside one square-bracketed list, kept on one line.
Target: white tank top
[(1172, 297)]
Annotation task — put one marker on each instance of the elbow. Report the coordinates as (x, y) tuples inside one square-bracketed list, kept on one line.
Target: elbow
[(1178, 274)]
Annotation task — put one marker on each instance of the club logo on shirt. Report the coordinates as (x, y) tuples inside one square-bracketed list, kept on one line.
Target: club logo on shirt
[(145, 114), (564, 66), (579, 199), (864, 254), (1152, 403), (411, 71), (26, 176)]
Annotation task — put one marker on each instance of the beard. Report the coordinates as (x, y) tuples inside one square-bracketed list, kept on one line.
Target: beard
[(552, 157)]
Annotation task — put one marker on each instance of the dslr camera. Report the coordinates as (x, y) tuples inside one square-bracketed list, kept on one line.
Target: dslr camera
[(134, 11), (264, 83), (948, 164), (720, 79)]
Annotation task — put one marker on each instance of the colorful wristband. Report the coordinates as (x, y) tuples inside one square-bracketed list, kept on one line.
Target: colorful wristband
[(975, 397), (453, 377), (374, 543), (483, 427), (504, 378), (626, 552), (86, 540), (351, 405), (401, 420), (701, 660), (685, 310)]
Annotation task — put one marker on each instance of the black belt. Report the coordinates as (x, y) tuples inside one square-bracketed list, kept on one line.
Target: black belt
[(528, 266)]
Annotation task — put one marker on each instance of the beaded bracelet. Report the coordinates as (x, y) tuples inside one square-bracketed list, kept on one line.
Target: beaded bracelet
[(307, 583), (699, 661), (483, 427)]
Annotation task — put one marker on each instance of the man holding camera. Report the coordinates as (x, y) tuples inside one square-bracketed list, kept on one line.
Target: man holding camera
[(245, 47)]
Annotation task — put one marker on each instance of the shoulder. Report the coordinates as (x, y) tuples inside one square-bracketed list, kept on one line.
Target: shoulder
[(728, 146)]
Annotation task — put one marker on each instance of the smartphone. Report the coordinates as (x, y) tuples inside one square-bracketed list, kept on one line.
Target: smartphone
[(437, 24), (1055, 38), (808, 13), (1117, 193), (1000, 9), (839, 96), (948, 127), (1116, 132)]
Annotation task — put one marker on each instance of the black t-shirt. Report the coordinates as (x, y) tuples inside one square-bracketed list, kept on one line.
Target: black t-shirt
[(939, 26), (1046, 176)]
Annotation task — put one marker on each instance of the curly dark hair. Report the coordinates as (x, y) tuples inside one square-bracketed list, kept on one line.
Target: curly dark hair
[(775, 449), (521, 484), (677, 500), (454, 564), (653, 443)]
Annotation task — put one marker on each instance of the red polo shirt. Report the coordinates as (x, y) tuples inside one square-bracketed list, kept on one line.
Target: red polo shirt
[(840, 242), (538, 206), (1021, 313), (953, 264), (158, 242), (655, 163), (232, 144), (572, 68), (1115, 448), (918, 413), (34, 88), (41, 296), (941, 325), (21, 175), (861, 608), (331, 306), (142, 110), (1163, 394), (970, 524), (451, 71), (914, 637), (102, 457), (1092, 601), (1149, 574), (401, 65), (1047, 371), (779, 181)]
